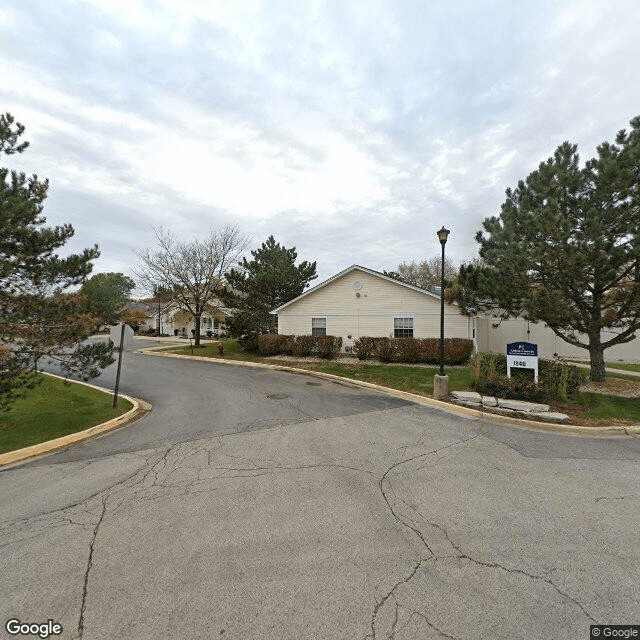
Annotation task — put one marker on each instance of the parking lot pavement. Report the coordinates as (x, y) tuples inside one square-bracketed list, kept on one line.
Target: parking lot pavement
[(362, 519)]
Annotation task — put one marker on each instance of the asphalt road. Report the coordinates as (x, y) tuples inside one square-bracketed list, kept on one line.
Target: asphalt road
[(257, 504)]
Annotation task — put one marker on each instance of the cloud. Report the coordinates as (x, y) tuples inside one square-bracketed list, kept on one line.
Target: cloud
[(351, 130)]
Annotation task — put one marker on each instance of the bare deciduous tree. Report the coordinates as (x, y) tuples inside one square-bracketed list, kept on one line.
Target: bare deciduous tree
[(426, 274), (191, 272)]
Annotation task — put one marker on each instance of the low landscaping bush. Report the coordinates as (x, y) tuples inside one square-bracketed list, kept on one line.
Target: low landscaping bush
[(248, 342), (557, 380), (456, 350), (365, 347), (329, 347), (407, 350), (385, 350), (273, 344), (411, 350), (304, 346)]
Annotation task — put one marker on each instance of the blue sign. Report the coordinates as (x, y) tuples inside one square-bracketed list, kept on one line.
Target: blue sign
[(522, 349)]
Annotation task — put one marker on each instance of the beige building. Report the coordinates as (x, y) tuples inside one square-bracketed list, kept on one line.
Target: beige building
[(494, 334), (361, 302), (178, 322)]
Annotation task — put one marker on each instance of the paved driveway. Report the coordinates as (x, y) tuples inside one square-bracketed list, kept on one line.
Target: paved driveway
[(258, 504)]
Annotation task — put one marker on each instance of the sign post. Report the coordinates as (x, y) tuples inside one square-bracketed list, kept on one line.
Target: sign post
[(522, 355), (126, 335)]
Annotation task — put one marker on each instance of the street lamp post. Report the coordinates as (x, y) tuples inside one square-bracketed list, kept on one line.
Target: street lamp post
[(441, 381)]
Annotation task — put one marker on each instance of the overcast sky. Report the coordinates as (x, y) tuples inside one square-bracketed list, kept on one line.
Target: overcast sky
[(350, 130)]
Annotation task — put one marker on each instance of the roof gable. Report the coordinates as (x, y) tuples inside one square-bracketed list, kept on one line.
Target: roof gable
[(356, 267)]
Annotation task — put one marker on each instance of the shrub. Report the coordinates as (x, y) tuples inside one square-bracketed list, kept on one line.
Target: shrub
[(427, 350), (430, 350), (304, 346), (562, 380), (365, 347), (329, 346), (273, 344), (556, 379), (385, 349), (407, 350), (456, 350), (248, 342)]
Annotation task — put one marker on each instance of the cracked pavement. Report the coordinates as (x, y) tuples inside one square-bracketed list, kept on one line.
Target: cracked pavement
[(249, 504)]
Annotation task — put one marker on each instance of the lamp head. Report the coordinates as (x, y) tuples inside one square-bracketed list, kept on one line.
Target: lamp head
[(443, 234)]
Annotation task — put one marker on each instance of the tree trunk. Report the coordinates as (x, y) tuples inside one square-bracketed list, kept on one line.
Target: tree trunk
[(197, 342), (596, 355)]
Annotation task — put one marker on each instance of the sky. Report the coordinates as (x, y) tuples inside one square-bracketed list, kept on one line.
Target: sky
[(352, 130)]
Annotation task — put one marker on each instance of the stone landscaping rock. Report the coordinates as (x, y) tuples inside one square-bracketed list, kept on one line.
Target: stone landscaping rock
[(552, 416), (503, 412), (521, 405), (512, 408), (467, 396)]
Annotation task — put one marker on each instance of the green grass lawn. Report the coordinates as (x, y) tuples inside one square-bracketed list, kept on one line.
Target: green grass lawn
[(53, 409), (624, 366), (611, 407), (210, 350), (413, 379)]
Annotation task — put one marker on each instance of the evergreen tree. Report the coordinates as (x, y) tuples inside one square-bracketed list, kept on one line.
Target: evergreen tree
[(106, 294), (267, 281), (566, 249), (38, 318)]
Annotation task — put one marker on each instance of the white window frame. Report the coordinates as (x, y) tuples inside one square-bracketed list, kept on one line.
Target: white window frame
[(319, 327), (402, 325)]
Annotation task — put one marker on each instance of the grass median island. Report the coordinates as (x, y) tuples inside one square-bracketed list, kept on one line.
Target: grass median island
[(412, 379), (210, 350), (53, 409), (601, 406)]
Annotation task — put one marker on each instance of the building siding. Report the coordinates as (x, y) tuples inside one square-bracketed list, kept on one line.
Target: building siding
[(372, 313), (494, 339)]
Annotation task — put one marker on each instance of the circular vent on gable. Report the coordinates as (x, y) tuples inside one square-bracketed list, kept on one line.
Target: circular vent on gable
[(357, 285)]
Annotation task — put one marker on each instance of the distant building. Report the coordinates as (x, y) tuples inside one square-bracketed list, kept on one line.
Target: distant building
[(176, 321), (361, 302)]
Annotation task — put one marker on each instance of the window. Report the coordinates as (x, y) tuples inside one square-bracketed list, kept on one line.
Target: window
[(318, 327), (403, 327)]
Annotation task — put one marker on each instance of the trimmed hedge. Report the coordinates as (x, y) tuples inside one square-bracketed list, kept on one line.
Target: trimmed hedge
[(557, 380), (329, 347), (273, 344), (304, 346), (409, 350)]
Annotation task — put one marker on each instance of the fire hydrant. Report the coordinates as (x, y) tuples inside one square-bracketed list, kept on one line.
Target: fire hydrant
[(220, 348)]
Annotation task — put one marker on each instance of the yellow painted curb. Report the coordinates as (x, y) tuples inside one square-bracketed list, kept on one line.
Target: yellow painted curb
[(19, 455), (438, 404)]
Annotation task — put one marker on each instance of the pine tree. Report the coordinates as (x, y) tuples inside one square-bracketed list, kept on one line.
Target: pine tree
[(267, 281), (566, 249), (106, 294), (38, 318)]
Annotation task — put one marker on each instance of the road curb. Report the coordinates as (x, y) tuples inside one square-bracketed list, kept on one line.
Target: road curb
[(438, 404), (139, 408)]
